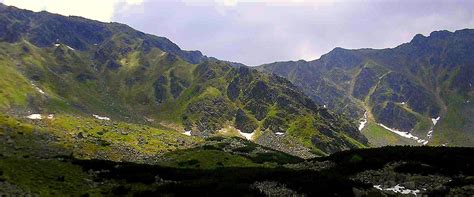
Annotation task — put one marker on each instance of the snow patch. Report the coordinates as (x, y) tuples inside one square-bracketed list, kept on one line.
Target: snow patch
[(424, 142), (38, 89), (405, 134), (398, 189), (324, 106), (188, 133), (70, 48), (403, 103), (279, 133), (247, 136), (35, 117), (429, 134), (435, 120), (363, 122), (58, 44), (100, 117), (379, 187)]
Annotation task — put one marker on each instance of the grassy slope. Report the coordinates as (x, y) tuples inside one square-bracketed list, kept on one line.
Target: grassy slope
[(456, 127), (86, 137), (379, 136)]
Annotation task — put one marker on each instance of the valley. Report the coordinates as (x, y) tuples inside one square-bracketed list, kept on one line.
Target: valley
[(89, 108)]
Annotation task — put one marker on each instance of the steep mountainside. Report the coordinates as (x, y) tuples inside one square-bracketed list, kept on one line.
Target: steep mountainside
[(421, 90), (77, 69)]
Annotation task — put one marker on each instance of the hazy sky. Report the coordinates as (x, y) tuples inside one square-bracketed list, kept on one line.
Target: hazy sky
[(262, 31)]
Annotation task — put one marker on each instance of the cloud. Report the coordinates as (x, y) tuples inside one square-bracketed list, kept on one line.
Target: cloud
[(262, 31), (101, 10), (134, 2)]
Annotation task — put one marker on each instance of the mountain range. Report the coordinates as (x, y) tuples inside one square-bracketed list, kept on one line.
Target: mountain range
[(99, 109), (82, 68), (420, 91)]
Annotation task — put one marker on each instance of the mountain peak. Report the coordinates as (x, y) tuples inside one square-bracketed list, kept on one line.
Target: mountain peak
[(418, 38), (440, 34)]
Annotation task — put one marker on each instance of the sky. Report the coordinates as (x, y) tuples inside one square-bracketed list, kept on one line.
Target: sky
[(255, 32)]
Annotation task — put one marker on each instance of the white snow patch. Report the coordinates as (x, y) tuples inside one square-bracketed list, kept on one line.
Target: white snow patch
[(188, 133), (403, 103), (279, 133), (379, 187), (398, 189), (324, 106), (35, 117), (70, 48), (100, 117), (435, 120), (59, 44), (50, 116), (37, 88), (363, 122), (429, 134), (247, 136), (405, 134)]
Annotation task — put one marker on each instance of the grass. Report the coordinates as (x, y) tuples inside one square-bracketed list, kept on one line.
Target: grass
[(46, 177), (77, 85), (455, 127), (88, 137), (352, 141), (15, 87), (378, 136), (205, 159), (303, 130)]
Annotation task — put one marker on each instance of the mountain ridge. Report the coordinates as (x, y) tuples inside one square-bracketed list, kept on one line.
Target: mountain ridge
[(74, 66), (344, 80)]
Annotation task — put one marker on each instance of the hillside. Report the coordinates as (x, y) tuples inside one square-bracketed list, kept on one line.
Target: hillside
[(421, 90), (76, 70)]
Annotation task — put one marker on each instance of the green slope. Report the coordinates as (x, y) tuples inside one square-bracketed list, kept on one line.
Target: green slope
[(74, 67), (403, 88)]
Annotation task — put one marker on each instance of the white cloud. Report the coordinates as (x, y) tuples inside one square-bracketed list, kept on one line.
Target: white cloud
[(101, 10), (134, 2), (261, 31)]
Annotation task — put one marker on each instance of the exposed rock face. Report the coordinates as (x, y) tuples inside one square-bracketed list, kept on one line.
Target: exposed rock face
[(244, 123)]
